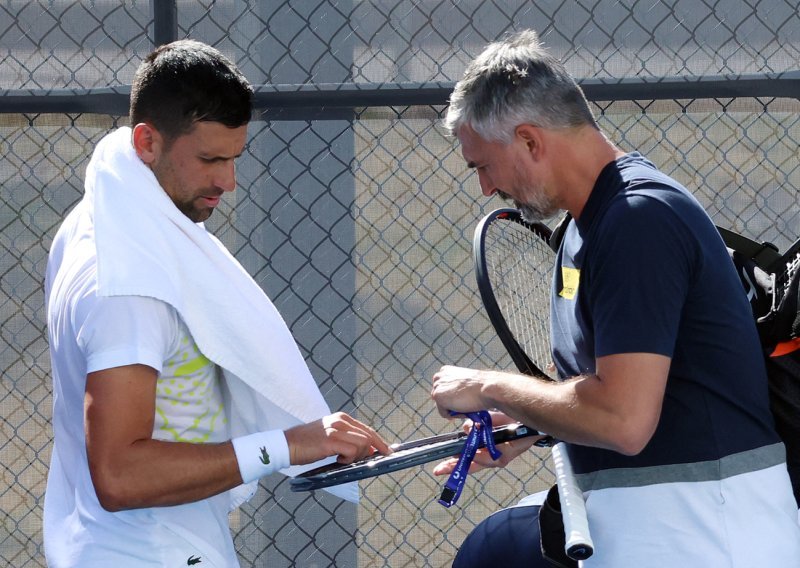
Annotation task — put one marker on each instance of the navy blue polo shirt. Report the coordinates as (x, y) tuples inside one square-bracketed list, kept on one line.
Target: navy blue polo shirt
[(645, 270)]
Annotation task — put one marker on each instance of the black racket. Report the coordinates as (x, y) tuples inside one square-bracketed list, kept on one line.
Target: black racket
[(405, 455), (514, 265)]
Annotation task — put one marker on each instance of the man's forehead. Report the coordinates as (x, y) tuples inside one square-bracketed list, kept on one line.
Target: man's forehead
[(474, 148), (467, 138), (216, 138)]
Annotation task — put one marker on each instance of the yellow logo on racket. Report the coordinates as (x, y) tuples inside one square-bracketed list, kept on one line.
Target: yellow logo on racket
[(569, 280)]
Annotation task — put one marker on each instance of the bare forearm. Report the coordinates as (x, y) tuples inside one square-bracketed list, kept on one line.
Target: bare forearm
[(131, 470), (566, 410), (153, 473), (545, 405), (617, 408)]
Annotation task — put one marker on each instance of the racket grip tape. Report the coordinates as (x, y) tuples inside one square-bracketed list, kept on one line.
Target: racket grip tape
[(578, 542)]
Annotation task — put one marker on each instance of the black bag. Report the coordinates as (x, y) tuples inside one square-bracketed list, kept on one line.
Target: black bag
[(551, 532), (772, 284), (784, 397)]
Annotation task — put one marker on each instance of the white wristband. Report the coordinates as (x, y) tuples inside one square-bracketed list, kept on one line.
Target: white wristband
[(261, 453)]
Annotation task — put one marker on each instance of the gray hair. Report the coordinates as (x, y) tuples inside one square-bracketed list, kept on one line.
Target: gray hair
[(516, 81)]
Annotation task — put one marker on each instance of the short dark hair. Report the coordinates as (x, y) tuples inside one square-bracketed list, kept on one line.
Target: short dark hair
[(187, 81)]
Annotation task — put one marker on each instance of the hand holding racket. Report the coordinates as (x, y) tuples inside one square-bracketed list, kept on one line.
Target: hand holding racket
[(405, 455), (510, 449)]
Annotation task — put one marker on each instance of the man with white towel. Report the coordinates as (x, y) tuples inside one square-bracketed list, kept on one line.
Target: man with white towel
[(176, 383)]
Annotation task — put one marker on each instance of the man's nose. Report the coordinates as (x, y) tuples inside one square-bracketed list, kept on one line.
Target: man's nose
[(226, 177), (487, 187)]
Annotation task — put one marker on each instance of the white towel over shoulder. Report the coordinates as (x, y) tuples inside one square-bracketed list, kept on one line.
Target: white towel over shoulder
[(147, 247)]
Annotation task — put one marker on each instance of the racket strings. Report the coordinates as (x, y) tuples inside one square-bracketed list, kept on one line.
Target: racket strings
[(519, 263)]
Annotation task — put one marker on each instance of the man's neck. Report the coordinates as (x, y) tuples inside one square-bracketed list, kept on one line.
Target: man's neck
[(586, 151)]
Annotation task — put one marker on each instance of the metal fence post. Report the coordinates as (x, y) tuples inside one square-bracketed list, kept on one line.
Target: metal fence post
[(165, 21)]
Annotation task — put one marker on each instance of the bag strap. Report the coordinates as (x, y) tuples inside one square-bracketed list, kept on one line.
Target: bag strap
[(765, 254), (558, 232)]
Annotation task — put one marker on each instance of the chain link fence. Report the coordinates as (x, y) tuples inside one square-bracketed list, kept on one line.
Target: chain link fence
[(357, 220)]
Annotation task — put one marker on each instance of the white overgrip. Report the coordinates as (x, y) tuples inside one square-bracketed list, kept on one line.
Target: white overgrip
[(579, 545)]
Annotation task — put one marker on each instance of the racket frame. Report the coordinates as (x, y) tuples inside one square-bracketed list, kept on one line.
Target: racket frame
[(578, 540), (408, 454)]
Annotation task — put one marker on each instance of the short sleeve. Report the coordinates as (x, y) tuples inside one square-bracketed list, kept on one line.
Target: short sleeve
[(125, 330), (640, 274)]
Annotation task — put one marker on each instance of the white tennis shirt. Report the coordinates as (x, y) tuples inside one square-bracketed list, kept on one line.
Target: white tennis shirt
[(90, 333)]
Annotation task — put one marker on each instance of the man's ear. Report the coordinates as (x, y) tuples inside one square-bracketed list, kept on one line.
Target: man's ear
[(147, 142), (531, 136)]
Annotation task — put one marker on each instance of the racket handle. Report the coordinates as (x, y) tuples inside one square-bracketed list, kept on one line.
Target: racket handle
[(579, 545)]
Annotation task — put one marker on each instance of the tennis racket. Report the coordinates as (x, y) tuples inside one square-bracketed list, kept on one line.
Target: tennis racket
[(405, 455), (514, 264)]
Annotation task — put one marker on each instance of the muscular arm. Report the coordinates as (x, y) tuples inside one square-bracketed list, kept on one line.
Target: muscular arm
[(617, 408), (131, 470)]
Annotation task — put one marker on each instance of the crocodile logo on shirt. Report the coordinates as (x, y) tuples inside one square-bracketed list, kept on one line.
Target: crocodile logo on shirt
[(264, 456), (192, 560)]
